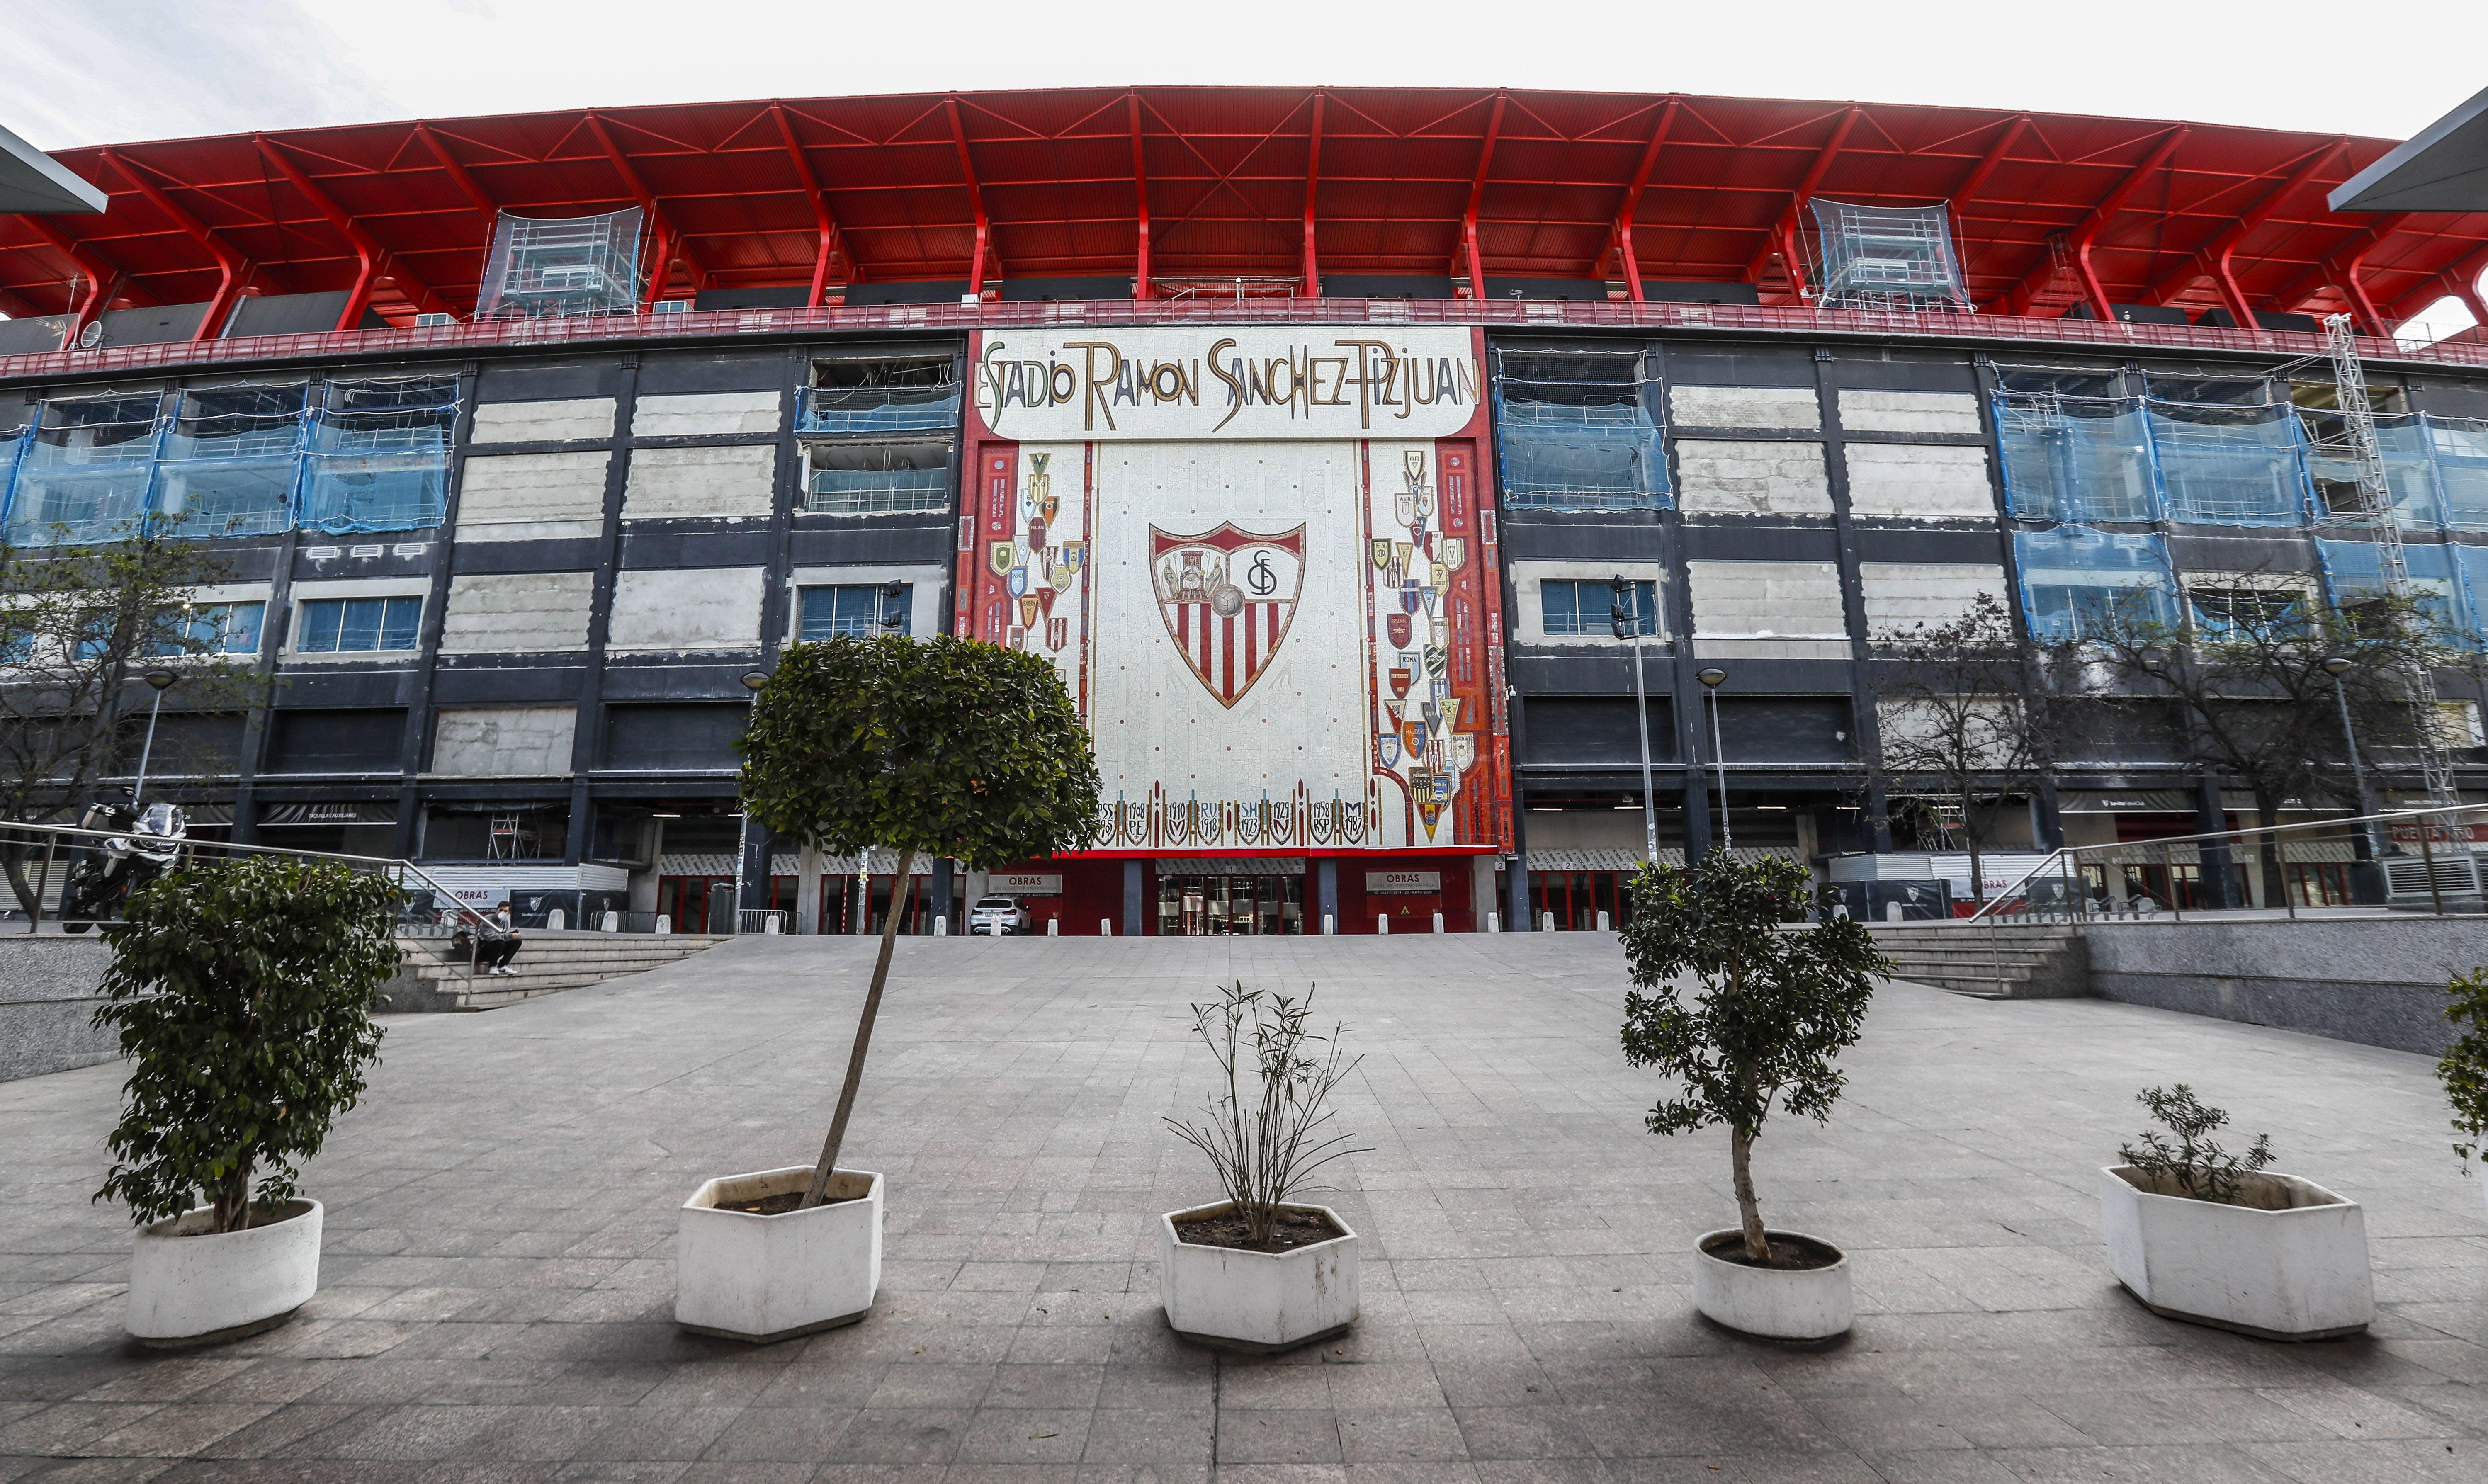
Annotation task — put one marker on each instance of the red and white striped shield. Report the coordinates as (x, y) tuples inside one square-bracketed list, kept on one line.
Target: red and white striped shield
[(1227, 595)]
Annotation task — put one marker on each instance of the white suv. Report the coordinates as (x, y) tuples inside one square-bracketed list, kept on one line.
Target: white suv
[(997, 917)]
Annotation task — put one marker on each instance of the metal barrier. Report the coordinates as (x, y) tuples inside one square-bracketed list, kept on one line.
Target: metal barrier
[(2414, 855), (1534, 314), (754, 920)]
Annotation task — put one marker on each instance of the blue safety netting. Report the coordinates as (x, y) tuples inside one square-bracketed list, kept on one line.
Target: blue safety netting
[(2355, 570), (84, 473), (1577, 433), (2230, 466), (2079, 458), (2459, 449), (2079, 583), (229, 461), (2410, 474), (2471, 576), (379, 456), (551, 267), (1876, 257)]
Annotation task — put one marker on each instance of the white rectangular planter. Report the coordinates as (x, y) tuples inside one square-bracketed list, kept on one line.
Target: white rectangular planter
[(1257, 1302), (2295, 1273), (190, 1285), (763, 1279)]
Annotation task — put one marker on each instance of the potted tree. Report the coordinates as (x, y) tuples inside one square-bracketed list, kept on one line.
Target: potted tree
[(1258, 1272), (932, 747), (1769, 1007), (2200, 1234), (2464, 1069), (243, 993)]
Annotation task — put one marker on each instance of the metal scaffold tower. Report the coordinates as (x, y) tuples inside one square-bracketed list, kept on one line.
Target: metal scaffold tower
[(2376, 509)]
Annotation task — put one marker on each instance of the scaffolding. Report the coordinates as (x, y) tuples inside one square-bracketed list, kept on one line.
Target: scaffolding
[(84, 473), (2077, 459), (2079, 583), (2458, 448), (1879, 257), (2375, 501), (230, 460), (1577, 433), (554, 268)]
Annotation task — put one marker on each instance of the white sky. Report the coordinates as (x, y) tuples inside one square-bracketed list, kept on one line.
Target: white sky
[(93, 71)]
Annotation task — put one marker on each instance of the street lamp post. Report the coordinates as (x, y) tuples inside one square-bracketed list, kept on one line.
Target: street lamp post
[(2369, 849), (1626, 617), (1711, 680), (162, 681)]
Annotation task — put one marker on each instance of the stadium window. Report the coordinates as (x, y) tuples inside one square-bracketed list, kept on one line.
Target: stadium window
[(217, 628), (1585, 607), (358, 626), (1576, 431), (2238, 613), (854, 608), (870, 478)]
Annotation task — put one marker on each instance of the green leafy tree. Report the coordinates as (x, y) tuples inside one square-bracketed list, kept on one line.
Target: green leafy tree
[(932, 747), (2464, 1070), (2195, 1167), (243, 990), (1769, 1007)]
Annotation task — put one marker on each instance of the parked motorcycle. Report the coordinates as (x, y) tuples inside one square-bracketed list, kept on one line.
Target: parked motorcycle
[(144, 845)]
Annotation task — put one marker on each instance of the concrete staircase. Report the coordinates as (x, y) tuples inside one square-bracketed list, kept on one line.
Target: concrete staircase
[(432, 979), (2003, 960)]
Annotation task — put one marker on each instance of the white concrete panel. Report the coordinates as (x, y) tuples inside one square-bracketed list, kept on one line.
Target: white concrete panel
[(705, 412), (544, 422), (1745, 407), (532, 496), (689, 609), (516, 612), (1527, 622), (1751, 479), (676, 482), (1900, 595), (1872, 411), (503, 742), (1767, 610), (1919, 481)]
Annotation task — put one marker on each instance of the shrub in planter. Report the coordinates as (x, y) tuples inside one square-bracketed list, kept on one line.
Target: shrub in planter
[(932, 747), (2201, 1234), (243, 993), (1258, 1272), (2464, 1070), (1770, 1006)]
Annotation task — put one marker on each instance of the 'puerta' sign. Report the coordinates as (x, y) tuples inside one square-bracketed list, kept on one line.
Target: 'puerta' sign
[(1179, 382)]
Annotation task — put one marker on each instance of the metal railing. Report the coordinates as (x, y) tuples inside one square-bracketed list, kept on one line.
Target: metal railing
[(757, 919), (1277, 309), (2414, 855), (48, 853)]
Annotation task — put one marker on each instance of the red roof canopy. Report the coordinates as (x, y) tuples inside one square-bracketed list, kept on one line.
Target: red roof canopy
[(1246, 182)]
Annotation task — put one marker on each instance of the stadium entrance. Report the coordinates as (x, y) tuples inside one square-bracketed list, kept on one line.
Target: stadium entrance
[(1229, 906)]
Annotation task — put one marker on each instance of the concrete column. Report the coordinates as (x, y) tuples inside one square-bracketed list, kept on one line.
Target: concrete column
[(1698, 802), (944, 901), (1326, 883), (2216, 861), (1134, 923), (1481, 891), (807, 891), (2047, 827)]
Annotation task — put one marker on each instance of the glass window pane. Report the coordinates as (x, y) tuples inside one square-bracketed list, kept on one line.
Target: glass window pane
[(1560, 602), (242, 621), (398, 623), (361, 629), (320, 622)]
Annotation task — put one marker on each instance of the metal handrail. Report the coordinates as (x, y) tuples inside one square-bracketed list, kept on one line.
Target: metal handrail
[(1535, 314), (2222, 836), (377, 865)]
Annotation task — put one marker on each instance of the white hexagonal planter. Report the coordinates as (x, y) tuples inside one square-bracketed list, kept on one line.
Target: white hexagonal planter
[(1259, 1302), (1781, 1303), (189, 1285), (2292, 1265), (764, 1278)]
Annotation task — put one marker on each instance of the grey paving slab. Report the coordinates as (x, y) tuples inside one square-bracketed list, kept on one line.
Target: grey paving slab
[(498, 1284)]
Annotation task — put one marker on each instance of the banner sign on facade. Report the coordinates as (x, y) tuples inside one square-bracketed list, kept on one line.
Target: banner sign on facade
[(1227, 382), (1026, 883), (1403, 884)]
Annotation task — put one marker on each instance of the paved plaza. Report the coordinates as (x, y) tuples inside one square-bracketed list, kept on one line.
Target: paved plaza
[(497, 1297)]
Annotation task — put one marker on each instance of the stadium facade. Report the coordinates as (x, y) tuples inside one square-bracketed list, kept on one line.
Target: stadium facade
[(1304, 430)]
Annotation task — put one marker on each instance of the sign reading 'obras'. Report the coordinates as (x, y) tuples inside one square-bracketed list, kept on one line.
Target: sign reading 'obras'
[(1174, 383)]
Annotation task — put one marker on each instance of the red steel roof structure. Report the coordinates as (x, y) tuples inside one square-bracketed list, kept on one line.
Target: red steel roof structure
[(1277, 186)]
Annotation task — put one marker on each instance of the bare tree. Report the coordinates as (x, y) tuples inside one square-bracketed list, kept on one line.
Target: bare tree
[(79, 625), (2253, 701), (1962, 716)]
